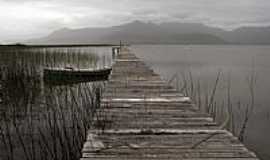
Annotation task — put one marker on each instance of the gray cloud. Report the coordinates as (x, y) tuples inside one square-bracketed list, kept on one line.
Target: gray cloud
[(34, 18)]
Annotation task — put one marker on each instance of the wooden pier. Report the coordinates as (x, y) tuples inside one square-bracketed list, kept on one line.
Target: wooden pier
[(142, 117)]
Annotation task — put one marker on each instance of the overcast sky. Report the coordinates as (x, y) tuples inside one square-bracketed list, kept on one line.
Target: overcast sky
[(23, 19)]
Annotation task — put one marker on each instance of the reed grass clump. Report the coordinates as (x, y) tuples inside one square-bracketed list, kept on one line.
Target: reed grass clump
[(38, 121), (57, 130), (216, 98)]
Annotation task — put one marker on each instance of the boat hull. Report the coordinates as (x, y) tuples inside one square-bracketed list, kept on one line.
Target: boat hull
[(66, 76)]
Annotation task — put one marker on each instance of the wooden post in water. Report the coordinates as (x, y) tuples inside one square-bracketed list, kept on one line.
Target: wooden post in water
[(120, 44), (115, 52)]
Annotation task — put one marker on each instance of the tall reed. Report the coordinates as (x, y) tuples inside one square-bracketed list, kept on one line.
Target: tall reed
[(211, 99), (40, 121)]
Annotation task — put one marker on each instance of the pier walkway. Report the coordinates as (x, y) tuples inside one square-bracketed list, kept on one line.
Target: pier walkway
[(142, 117)]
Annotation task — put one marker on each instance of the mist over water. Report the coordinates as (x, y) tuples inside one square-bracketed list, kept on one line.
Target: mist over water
[(235, 63)]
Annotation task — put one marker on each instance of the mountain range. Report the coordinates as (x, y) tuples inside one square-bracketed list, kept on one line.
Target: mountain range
[(138, 32)]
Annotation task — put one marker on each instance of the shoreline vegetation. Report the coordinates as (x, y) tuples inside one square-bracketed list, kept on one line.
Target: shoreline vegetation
[(21, 45), (43, 122)]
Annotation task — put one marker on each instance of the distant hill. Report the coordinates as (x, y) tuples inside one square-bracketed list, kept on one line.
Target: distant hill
[(248, 35), (138, 32)]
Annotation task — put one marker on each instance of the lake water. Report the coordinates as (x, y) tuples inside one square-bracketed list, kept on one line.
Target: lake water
[(236, 64)]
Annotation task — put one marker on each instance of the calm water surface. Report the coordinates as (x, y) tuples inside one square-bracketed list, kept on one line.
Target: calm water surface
[(235, 63)]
